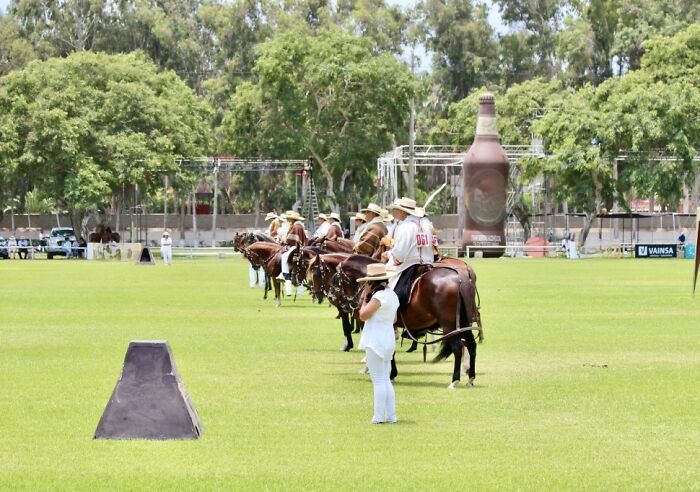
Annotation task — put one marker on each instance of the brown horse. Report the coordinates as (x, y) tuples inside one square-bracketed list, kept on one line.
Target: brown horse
[(442, 297), (267, 256), (338, 245), (104, 235)]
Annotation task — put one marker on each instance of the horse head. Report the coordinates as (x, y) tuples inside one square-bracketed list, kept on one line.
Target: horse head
[(347, 273)]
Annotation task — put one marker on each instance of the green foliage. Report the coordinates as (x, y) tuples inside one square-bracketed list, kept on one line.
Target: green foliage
[(80, 127), (327, 96)]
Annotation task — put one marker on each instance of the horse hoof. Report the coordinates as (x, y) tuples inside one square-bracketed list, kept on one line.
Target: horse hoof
[(278, 304), (470, 383), (453, 385)]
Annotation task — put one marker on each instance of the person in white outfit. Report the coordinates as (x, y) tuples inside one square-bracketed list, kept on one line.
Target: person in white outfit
[(410, 245), (322, 228), (378, 339), (360, 225), (166, 248)]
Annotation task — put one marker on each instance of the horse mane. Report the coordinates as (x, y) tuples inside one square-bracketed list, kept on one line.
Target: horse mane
[(356, 266)]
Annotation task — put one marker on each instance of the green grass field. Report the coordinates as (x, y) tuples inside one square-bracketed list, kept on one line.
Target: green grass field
[(589, 378)]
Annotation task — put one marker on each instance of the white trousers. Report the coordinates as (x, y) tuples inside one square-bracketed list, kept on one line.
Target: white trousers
[(256, 277), (285, 261), (384, 397), (166, 252)]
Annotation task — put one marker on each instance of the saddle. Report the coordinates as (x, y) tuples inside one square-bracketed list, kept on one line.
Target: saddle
[(408, 279)]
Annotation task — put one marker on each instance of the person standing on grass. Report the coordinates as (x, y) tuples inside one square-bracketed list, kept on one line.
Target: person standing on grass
[(166, 249), (378, 311)]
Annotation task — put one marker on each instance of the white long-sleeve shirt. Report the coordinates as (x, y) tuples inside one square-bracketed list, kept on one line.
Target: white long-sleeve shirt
[(322, 230)]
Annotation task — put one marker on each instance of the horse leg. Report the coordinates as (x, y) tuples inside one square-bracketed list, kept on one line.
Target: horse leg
[(471, 348), (278, 294), (347, 331), (268, 286), (456, 346), (394, 371)]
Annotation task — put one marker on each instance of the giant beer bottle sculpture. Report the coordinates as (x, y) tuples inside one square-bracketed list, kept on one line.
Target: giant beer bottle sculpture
[(485, 171)]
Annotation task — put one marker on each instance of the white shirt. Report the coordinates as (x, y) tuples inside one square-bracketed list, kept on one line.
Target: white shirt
[(322, 230), (282, 231), (405, 251), (378, 333), (166, 242), (359, 231)]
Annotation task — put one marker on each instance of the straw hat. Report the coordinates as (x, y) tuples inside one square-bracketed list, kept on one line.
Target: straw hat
[(388, 217), (322, 216), (360, 216), (165, 233), (270, 216), (283, 216), (334, 216), (373, 207), (408, 205), (377, 271), (291, 214)]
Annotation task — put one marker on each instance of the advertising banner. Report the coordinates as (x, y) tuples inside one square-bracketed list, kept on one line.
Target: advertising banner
[(655, 251)]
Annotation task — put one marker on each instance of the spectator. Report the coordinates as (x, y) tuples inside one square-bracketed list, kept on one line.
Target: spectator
[(82, 245), (166, 249), (12, 247), (67, 247), (23, 248)]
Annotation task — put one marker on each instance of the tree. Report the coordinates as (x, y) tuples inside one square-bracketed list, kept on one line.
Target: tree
[(541, 20), (327, 96), (15, 51), (78, 129), (465, 51), (582, 173)]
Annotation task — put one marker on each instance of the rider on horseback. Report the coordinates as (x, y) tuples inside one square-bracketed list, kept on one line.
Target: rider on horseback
[(336, 229), (360, 225), (370, 240), (295, 237), (274, 225), (321, 230), (411, 247)]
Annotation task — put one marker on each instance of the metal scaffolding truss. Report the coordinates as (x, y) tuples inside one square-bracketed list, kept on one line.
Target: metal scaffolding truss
[(391, 164), (239, 164)]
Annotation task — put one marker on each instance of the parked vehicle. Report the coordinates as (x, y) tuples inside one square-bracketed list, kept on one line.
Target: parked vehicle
[(57, 237)]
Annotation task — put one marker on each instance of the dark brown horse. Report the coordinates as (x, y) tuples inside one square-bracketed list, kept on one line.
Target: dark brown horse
[(442, 297), (267, 256), (104, 235), (323, 273), (243, 240)]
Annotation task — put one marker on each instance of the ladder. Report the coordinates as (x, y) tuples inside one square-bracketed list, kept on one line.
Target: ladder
[(309, 209)]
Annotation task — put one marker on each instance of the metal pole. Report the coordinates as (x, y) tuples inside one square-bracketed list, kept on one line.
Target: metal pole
[(216, 195), (194, 217), (165, 203), (411, 151)]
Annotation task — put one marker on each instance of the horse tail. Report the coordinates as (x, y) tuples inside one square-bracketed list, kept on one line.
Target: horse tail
[(469, 304), (445, 351)]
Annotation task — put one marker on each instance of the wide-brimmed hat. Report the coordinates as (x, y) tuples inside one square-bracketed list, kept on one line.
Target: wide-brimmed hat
[(360, 216), (283, 216), (166, 233), (271, 216), (388, 217), (377, 271), (322, 216), (291, 214), (335, 216), (408, 205), (12, 237), (373, 207)]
